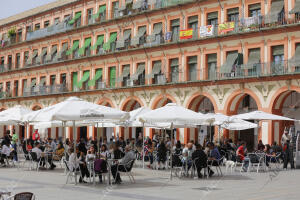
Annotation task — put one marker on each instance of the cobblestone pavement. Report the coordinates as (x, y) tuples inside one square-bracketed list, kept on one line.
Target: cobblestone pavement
[(156, 185)]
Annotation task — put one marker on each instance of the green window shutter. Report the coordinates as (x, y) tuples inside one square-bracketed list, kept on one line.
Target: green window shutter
[(99, 42), (113, 37), (75, 79), (98, 75), (112, 76), (85, 77), (73, 48), (102, 9), (87, 43), (77, 16)]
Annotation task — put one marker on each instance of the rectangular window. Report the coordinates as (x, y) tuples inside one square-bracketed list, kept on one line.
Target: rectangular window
[(125, 76), (52, 79), (18, 59), (212, 18), (140, 74), (254, 10), (175, 26), (37, 26), (174, 69), (8, 89), (56, 20), (19, 35), (193, 24), (25, 59), (112, 77), (28, 29), (278, 59), (63, 79), (9, 62), (46, 23), (90, 16), (253, 65), (233, 15), (115, 7), (192, 68), (24, 86), (156, 74), (211, 66), (16, 88), (34, 56)]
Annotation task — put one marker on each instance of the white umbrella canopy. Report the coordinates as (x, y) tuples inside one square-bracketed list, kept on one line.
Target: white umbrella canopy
[(238, 125), (54, 124), (14, 115), (76, 109), (172, 113), (260, 115)]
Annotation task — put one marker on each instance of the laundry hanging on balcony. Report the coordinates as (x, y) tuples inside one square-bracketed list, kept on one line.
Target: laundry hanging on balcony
[(97, 76), (296, 8), (99, 42), (112, 38), (77, 16), (73, 48), (85, 77), (102, 9), (87, 43)]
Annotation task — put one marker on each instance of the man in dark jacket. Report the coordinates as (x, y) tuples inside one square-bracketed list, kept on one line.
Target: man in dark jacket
[(200, 159)]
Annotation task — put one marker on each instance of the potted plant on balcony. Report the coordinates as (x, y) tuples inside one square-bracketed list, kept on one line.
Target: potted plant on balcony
[(12, 34)]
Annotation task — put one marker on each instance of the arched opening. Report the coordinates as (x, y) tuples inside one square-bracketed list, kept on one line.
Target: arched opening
[(2, 127), (286, 104), (243, 103), (203, 104), (131, 132)]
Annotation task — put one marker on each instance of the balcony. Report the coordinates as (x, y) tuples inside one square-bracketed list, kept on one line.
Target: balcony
[(50, 30), (45, 90)]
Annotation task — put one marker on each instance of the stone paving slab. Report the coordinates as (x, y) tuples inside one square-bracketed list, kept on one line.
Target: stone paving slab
[(156, 185)]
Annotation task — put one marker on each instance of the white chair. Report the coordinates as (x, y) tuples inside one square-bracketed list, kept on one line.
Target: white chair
[(128, 171), (71, 174)]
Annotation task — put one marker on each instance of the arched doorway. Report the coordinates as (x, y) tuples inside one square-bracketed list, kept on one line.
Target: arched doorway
[(287, 104), (129, 105), (239, 104), (203, 104)]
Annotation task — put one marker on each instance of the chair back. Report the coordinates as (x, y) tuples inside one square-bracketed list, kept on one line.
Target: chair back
[(66, 165), (131, 164), (24, 196), (33, 156), (253, 158)]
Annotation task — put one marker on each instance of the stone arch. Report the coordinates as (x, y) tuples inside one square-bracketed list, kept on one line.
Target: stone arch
[(162, 100), (36, 106), (106, 102), (131, 103)]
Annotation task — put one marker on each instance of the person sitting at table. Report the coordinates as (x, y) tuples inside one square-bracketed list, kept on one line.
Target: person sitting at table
[(104, 153), (5, 151), (161, 154), (123, 166), (40, 155), (260, 146), (240, 153), (52, 144), (151, 148), (59, 152), (187, 156), (200, 159), (117, 153), (214, 156), (90, 156), (270, 156), (80, 159)]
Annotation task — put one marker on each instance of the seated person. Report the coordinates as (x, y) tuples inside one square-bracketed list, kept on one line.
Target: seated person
[(187, 155), (270, 156), (90, 156), (59, 152), (117, 153), (104, 153), (240, 153), (40, 155), (200, 159), (214, 155), (161, 154), (5, 151), (123, 166)]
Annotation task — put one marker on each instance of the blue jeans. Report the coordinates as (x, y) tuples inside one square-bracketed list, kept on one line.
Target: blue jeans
[(15, 153), (246, 163)]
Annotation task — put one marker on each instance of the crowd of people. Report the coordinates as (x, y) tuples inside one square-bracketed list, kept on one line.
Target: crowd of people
[(156, 151)]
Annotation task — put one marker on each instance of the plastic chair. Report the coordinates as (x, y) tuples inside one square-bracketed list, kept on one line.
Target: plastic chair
[(24, 196), (194, 168), (73, 173), (128, 171)]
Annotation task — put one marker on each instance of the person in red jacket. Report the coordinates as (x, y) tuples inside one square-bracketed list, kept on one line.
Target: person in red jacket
[(240, 153), (36, 135)]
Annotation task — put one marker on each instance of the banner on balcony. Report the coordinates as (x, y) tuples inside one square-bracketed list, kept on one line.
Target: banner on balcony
[(186, 34), (226, 27), (206, 31)]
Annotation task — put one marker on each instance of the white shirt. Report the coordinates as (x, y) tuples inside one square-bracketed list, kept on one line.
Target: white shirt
[(104, 154), (5, 150), (89, 157), (53, 146), (38, 152), (73, 162)]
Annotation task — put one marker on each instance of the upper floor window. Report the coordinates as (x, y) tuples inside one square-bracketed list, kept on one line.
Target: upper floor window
[(175, 26), (46, 23), (212, 18), (37, 26), (254, 10), (56, 20), (233, 15), (90, 16), (18, 59)]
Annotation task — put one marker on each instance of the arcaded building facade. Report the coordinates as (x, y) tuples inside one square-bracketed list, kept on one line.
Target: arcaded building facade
[(225, 56)]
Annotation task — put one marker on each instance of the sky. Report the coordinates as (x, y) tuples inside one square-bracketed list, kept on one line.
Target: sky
[(12, 7)]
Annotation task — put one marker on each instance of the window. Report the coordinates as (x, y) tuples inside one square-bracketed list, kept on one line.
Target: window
[(125, 75), (18, 59), (37, 26), (26, 54), (56, 20), (78, 19), (253, 65), (254, 10), (278, 59), (157, 32), (212, 18), (90, 16), (192, 68), (156, 74), (63, 79), (211, 66), (99, 44), (2, 60), (28, 29), (75, 81), (44, 55), (24, 86), (19, 35), (112, 77), (140, 74), (46, 24), (174, 69), (52, 79), (115, 7), (34, 56), (9, 62), (16, 88), (175, 24), (8, 88), (233, 15), (193, 24), (32, 85)]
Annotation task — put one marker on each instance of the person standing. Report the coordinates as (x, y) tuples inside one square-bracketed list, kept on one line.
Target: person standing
[(287, 150), (14, 141)]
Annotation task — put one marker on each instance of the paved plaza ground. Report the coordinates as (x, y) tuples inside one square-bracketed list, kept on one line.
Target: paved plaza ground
[(156, 185)]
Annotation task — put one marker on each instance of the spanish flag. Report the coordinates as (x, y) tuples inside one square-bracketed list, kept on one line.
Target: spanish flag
[(186, 34)]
